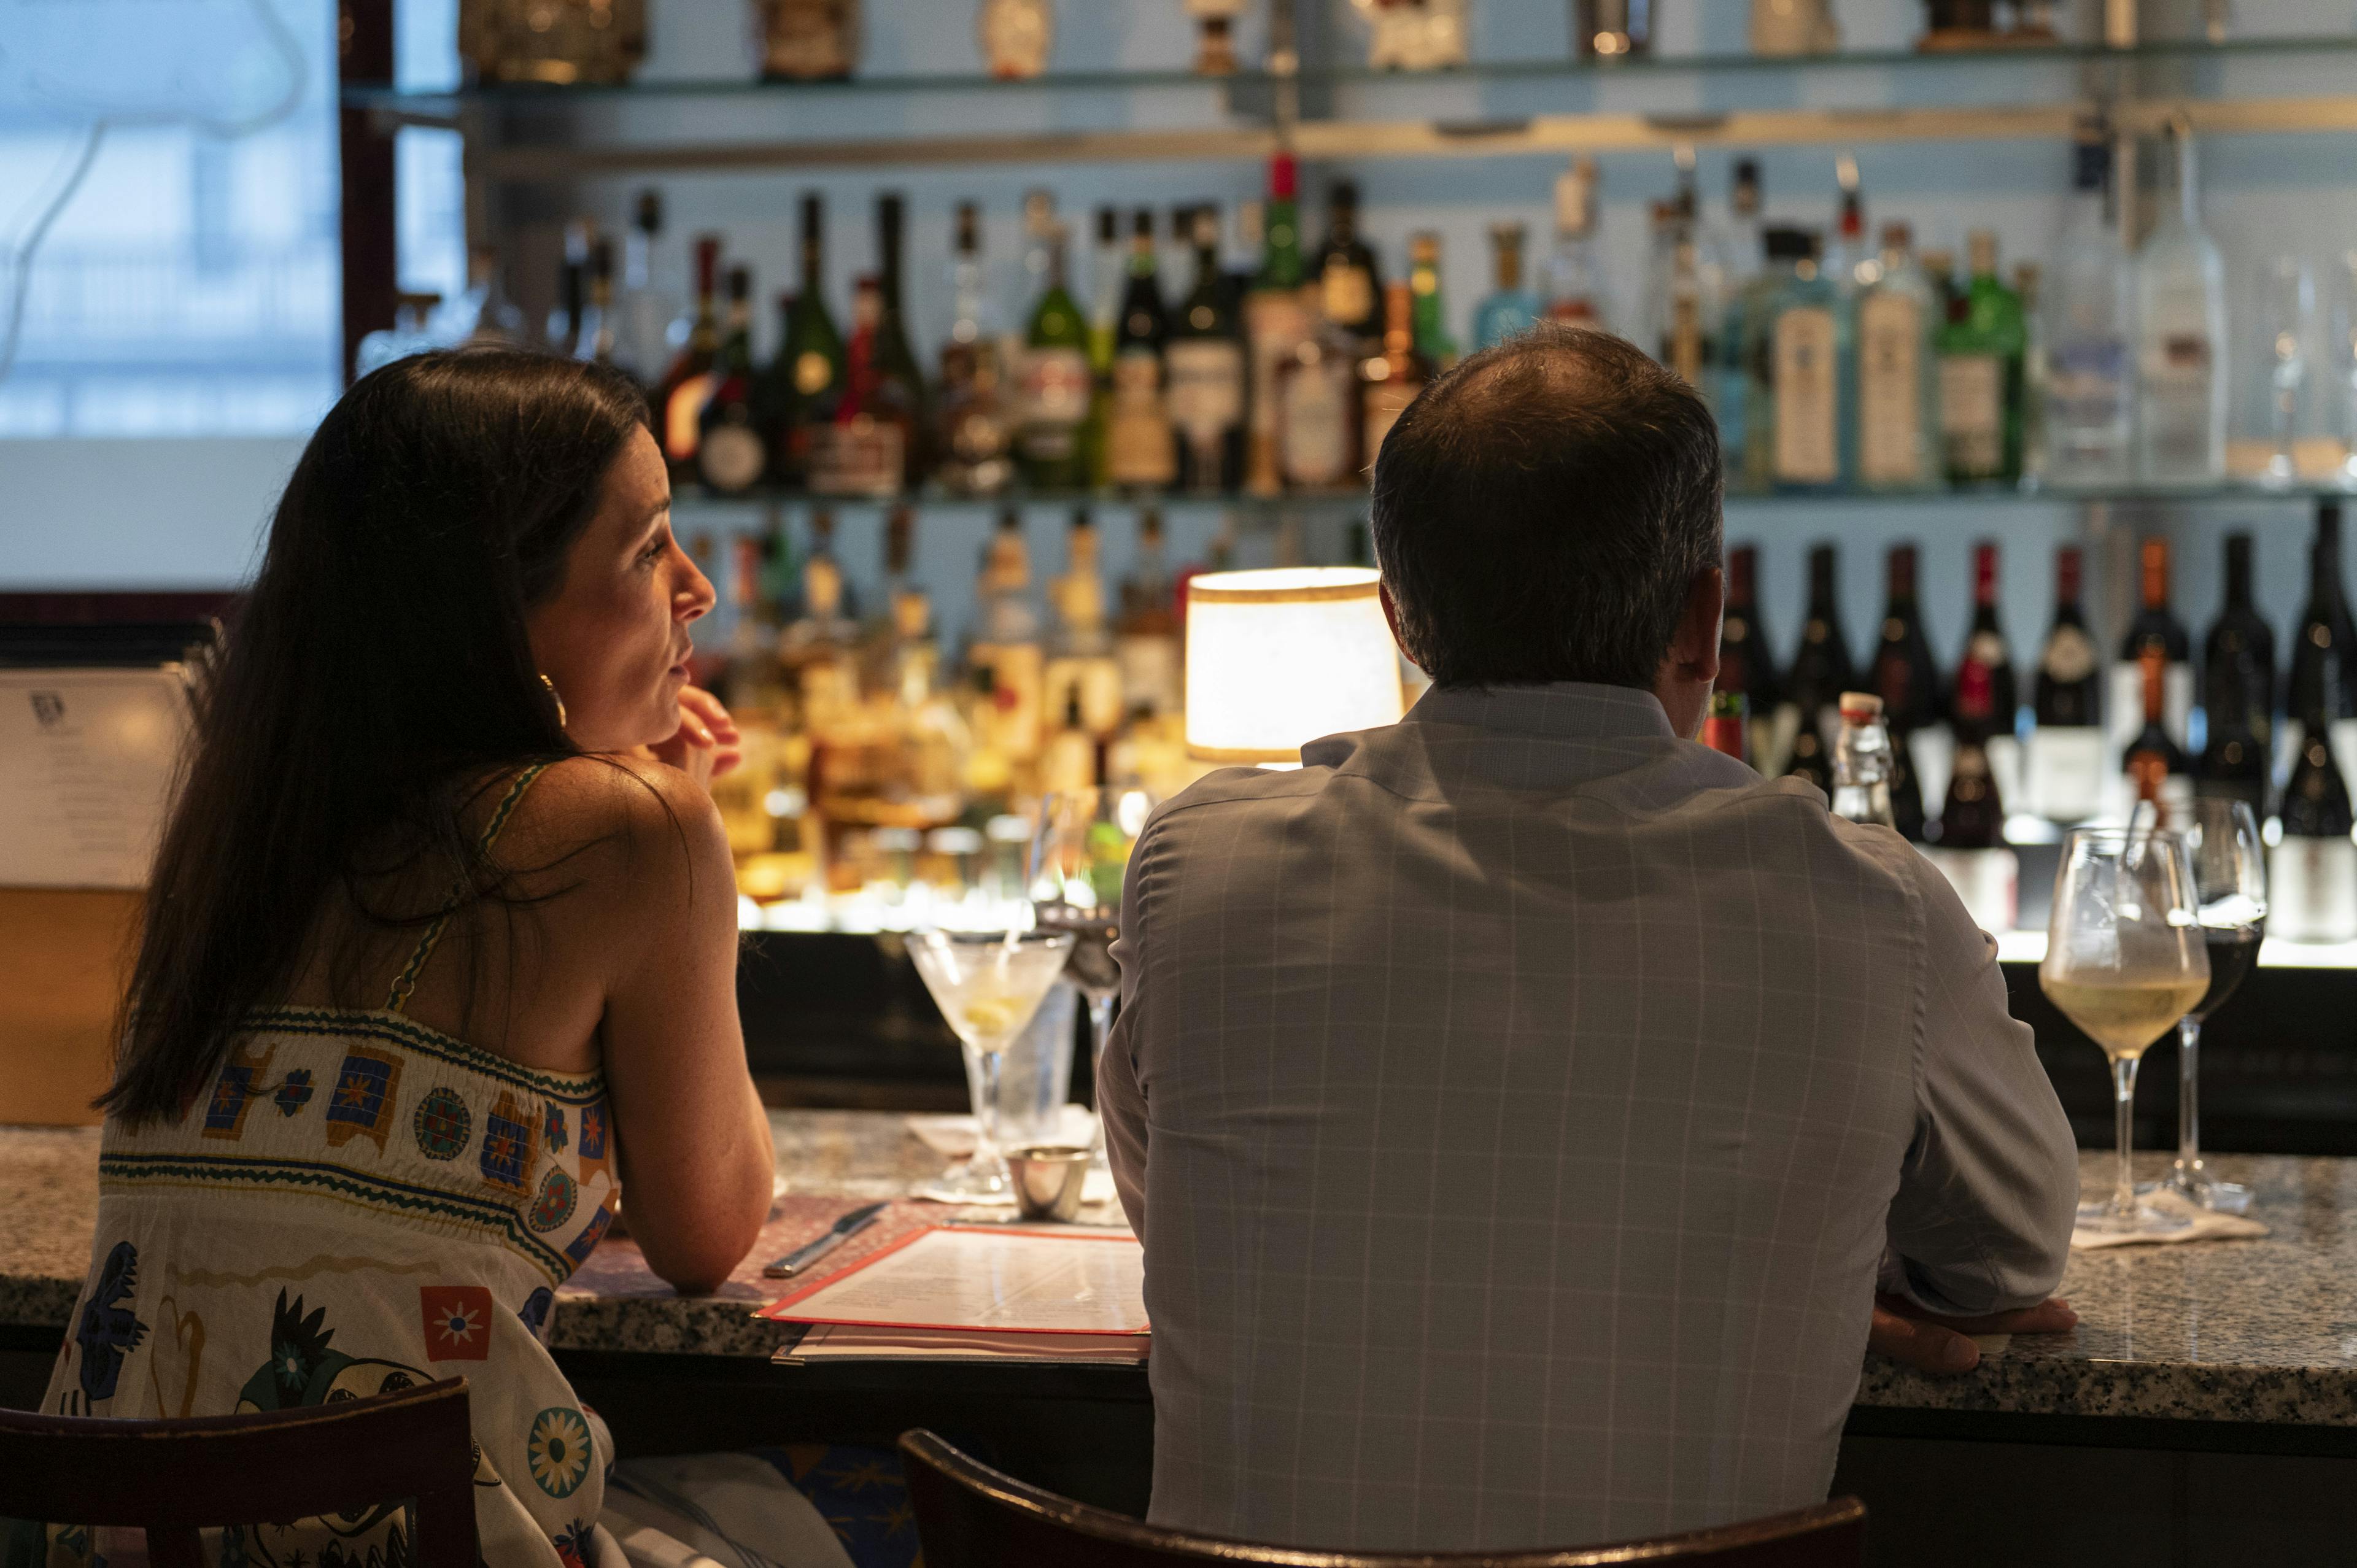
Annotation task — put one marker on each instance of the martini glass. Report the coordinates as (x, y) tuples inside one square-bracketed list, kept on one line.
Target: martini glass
[(988, 985)]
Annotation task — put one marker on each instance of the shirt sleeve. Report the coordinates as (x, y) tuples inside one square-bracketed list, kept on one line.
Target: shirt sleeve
[(1986, 1196), (1121, 1096)]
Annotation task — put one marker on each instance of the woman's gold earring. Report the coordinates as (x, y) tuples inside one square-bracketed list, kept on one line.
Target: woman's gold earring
[(554, 698)]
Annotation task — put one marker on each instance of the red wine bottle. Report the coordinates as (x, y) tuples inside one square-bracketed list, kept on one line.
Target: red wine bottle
[(2154, 626), (2062, 762), (2238, 684), (1903, 673), (1986, 694), (2156, 764), (1973, 815), (1747, 666), (730, 450)]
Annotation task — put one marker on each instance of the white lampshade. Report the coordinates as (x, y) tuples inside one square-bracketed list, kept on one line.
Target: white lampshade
[(1276, 659)]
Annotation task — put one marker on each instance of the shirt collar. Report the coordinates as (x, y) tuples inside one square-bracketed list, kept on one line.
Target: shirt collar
[(1568, 710)]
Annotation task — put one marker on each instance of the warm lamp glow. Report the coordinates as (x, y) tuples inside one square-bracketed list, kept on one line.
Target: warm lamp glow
[(1276, 659)]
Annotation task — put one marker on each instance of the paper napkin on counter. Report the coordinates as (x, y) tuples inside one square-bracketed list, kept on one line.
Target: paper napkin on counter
[(2207, 1225), (952, 1136)]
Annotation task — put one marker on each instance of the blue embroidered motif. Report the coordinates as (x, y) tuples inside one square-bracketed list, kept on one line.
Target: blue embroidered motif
[(361, 1103), (593, 1131), (507, 1146), (534, 1310), (295, 1093), (108, 1329), (552, 1128), (591, 1234)]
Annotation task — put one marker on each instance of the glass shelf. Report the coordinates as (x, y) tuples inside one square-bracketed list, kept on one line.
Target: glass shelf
[(1994, 60), (1331, 502)]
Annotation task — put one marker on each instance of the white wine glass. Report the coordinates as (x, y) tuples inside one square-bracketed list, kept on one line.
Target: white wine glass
[(988, 984), (2125, 962), (1078, 860), (2230, 878)]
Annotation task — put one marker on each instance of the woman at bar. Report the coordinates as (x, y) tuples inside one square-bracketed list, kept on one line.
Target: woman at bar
[(438, 957)]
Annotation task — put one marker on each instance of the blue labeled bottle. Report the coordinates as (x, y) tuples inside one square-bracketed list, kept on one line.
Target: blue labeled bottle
[(1800, 426)]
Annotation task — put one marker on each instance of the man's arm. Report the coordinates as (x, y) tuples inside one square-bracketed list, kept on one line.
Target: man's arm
[(1121, 1100), (1982, 1220)]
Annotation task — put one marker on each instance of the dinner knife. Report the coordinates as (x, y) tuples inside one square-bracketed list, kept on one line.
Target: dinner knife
[(809, 1253)]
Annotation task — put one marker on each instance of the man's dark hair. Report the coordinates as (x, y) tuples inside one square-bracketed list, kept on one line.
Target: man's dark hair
[(1541, 512)]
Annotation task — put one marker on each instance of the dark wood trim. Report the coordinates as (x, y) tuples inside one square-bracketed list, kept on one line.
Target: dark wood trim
[(364, 56), (2153, 1433)]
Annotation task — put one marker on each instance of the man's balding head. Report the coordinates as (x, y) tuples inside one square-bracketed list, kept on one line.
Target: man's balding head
[(1541, 512)]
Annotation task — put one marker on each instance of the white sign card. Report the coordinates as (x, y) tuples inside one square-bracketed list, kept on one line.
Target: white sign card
[(86, 763)]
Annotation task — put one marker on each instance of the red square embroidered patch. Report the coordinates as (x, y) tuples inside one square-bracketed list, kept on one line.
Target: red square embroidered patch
[(458, 1322)]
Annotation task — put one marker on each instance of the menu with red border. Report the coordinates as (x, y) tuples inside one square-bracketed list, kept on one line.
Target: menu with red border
[(999, 1279)]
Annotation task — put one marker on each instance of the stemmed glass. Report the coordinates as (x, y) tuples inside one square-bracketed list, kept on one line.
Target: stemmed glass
[(988, 984), (1078, 860), (2125, 961), (2342, 331), (2229, 879), (2284, 294)]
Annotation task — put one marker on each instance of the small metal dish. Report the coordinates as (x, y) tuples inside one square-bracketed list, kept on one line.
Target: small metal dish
[(1048, 1179)]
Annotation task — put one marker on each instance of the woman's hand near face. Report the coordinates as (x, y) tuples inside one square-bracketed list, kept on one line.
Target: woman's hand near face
[(708, 743)]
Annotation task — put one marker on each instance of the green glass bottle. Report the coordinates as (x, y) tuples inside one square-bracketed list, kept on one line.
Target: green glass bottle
[(1050, 441), (1981, 350), (808, 376)]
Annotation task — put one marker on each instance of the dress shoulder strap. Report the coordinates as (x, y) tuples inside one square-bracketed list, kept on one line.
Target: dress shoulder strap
[(407, 980)]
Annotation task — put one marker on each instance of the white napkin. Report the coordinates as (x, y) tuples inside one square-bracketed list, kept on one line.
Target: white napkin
[(952, 1136), (2207, 1225)]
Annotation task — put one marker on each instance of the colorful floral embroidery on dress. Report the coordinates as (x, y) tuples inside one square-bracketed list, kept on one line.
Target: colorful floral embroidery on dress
[(361, 1104), (458, 1322), (508, 1152), (108, 1329), (591, 1234), (533, 1313), (552, 1128), (559, 1451), (593, 1131), (442, 1124), (295, 1093), (553, 1207)]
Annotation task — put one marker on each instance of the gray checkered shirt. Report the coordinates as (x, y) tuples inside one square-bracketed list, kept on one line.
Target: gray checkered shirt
[(1516, 1104)]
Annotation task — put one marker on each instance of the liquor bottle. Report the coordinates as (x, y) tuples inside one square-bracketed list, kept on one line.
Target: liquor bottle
[(811, 365), (1747, 665), (974, 425), (929, 738), (1987, 690), (2087, 329), (808, 40), (1428, 314), (1510, 308), (1980, 375), (1726, 727), (2154, 626), (861, 448), (1321, 418), (2325, 646), (730, 453), (486, 314), (2181, 348), (1054, 401), (596, 339), (1970, 835), (1140, 453), (685, 386), (1350, 282), (2037, 375), (1821, 670), (643, 343), (2155, 764), (2063, 760), (1847, 257), (572, 292), (899, 384), (1205, 364), (1392, 380), (1903, 673), (1146, 638), (1898, 373), (2238, 686), (2313, 869), (1863, 762), (1017, 36), (1081, 669), (1732, 257), (1575, 289), (1798, 411), (1682, 312), (1278, 321), (1004, 653)]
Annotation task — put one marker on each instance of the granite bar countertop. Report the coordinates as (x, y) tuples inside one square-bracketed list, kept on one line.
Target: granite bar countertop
[(2259, 1330)]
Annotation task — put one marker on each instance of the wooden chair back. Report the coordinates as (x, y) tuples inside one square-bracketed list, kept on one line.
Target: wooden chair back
[(971, 1516), (174, 1477)]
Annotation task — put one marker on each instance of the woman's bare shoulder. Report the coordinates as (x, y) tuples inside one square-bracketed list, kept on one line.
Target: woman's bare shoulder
[(602, 819)]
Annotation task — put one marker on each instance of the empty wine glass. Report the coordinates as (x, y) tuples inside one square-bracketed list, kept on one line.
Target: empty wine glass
[(1078, 860), (2284, 295), (2125, 961), (2230, 878), (988, 985)]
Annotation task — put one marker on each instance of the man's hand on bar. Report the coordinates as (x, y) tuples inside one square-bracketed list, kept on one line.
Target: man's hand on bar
[(1914, 1338), (708, 743)]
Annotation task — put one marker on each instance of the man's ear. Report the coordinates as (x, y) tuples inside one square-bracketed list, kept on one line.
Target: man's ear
[(1698, 628), (1391, 615)]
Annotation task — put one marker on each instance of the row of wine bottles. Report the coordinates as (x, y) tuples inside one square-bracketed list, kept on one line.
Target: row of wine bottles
[(2076, 741)]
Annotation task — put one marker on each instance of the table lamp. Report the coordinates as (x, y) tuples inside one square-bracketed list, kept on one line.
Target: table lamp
[(1278, 658)]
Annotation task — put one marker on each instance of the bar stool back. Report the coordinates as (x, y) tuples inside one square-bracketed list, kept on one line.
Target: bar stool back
[(971, 1516), (174, 1477)]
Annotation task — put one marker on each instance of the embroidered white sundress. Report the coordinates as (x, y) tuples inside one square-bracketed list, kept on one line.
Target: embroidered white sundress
[(358, 1203)]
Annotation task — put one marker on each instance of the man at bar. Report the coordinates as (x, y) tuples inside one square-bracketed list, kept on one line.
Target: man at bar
[(1521, 1104)]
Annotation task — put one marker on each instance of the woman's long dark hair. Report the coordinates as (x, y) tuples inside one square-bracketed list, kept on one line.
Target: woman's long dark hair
[(378, 679)]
